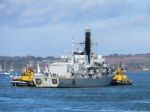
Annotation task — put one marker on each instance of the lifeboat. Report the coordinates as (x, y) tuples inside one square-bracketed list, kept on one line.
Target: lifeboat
[(120, 78), (25, 79)]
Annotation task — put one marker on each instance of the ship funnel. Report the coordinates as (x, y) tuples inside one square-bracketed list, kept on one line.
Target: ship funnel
[(88, 44)]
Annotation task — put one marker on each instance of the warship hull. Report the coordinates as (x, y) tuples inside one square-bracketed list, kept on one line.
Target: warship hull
[(72, 82)]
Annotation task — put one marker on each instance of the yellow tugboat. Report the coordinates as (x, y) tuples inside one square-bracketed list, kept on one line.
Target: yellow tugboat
[(25, 79), (120, 78)]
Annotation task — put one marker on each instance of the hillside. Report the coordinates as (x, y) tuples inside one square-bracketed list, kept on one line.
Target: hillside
[(130, 62)]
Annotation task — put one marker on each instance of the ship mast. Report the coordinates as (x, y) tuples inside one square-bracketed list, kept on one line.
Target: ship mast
[(72, 45)]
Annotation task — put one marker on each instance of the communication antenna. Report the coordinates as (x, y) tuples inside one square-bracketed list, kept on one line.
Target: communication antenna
[(72, 45)]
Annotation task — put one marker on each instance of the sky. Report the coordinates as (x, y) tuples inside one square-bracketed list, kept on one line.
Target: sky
[(47, 27)]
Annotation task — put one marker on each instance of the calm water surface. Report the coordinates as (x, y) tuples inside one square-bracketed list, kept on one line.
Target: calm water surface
[(133, 98)]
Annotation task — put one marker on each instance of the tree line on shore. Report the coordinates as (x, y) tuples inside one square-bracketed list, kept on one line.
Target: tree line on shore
[(129, 62)]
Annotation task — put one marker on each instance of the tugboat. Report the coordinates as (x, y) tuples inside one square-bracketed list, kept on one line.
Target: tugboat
[(120, 78), (79, 70), (25, 79)]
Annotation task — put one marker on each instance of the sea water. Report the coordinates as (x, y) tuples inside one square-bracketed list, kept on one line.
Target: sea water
[(133, 98)]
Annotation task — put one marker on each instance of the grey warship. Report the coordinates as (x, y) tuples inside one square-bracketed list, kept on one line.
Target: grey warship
[(78, 70)]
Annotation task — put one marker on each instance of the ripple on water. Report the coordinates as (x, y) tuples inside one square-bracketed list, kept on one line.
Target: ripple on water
[(111, 99)]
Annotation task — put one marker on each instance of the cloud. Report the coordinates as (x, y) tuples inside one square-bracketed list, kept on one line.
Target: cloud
[(115, 24), (80, 13), (27, 13)]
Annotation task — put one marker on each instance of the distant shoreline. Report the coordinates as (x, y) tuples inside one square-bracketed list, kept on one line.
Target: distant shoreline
[(134, 62)]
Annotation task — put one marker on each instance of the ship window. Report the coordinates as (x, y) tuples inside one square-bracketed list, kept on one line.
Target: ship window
[(90, 75), (38, 81), (54, 81), (46, 74)]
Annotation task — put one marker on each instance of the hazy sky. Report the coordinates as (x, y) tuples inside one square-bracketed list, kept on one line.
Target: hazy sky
[(46, 27)]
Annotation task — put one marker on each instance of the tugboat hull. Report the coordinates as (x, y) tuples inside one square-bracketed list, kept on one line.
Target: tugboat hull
[(115, 83), (22, 84)]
